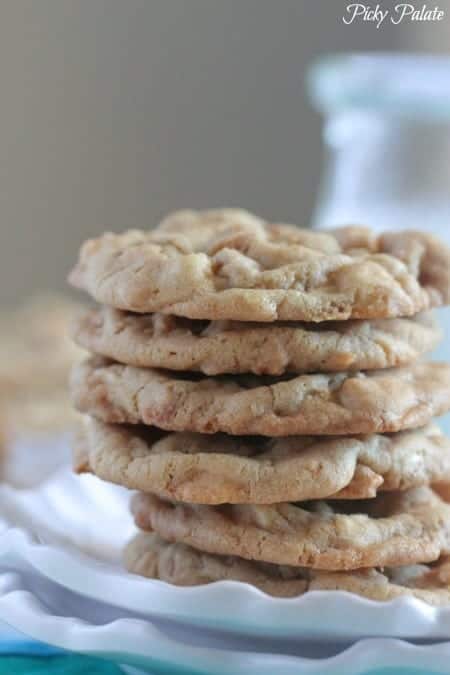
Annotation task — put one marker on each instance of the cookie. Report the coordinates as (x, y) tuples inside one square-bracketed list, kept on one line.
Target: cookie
[(150, 556), (373, 402), (217, 347), (430, 583), (224, 469), (394, 529), (229, 264), (36, 352), (36, 355)]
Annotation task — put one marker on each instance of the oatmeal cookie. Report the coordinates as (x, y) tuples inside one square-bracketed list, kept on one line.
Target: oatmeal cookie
[(320, 404), (229, 264), (217, 347), (399, 528), (224, 469)]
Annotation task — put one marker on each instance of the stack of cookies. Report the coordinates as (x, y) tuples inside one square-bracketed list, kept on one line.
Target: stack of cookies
[(263, 388)]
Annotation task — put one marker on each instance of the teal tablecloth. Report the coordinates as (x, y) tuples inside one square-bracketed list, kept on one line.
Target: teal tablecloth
[(70, 664), (61, 664), (21, 656)]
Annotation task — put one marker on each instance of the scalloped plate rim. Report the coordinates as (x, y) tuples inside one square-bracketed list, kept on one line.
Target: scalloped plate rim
[(243, 607), (138, 640)]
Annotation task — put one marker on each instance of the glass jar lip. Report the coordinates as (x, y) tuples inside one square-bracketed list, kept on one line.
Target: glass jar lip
[(404, 84)]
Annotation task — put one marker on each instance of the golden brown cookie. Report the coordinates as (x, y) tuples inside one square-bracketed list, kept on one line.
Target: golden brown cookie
[(216, 347), (224, 469), (373, 402), (430, 583), (36, 352), (36, 355), (394, 529), (150, 556), (229, 264)]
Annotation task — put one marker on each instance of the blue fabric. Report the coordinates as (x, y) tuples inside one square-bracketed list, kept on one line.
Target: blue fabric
[(20, 656), (61, 664), (28, 647), (404, 671)]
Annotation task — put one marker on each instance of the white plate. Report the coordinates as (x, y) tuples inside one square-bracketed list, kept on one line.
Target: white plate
[(72, 530), (32, 458), (28, 602)]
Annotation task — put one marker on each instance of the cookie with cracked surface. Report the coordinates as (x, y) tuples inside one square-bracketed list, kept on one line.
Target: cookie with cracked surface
[(321, 404), (229, 264), (217, 347), (430, 583), (399, 528), (150, 556), (224, 469)]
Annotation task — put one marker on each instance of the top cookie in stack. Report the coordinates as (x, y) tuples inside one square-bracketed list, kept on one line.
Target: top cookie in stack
[(267, 331), (228, 264)]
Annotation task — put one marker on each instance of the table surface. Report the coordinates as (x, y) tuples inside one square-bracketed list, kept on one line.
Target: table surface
[(21, 656)]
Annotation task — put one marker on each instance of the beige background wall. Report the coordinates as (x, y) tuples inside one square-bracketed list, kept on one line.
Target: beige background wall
[(116, 111)]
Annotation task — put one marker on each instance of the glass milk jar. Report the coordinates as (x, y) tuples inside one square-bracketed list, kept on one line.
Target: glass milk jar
[(387, 143)]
